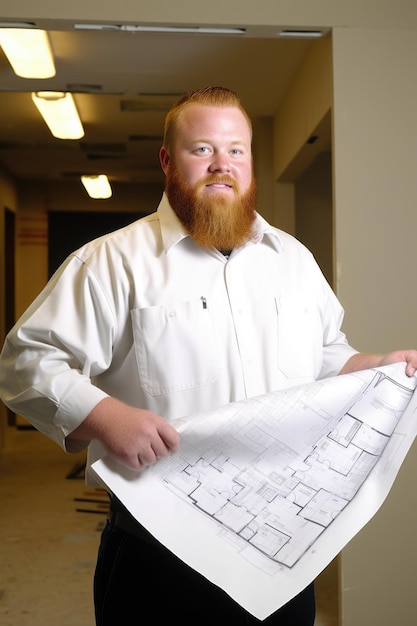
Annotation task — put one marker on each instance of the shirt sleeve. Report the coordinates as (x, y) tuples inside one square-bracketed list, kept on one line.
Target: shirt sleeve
[(336, 349), (51, 355)]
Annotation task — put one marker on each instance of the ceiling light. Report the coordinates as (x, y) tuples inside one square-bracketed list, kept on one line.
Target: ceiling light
[(28, 51), (202, 30), (60, 113), (297, 33), (131, 28), (97, 187)]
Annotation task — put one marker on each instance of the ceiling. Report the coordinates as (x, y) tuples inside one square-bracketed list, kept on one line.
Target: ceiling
[(123, 84)]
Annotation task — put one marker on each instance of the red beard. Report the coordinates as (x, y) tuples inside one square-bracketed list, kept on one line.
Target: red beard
[(214, 221)]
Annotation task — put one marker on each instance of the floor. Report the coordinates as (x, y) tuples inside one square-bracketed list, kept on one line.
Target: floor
[(50, 527)]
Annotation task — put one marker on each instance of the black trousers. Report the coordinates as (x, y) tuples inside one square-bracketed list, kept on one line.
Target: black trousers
[(138, 582)]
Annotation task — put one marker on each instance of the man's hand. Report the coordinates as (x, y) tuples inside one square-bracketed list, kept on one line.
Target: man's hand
[(134, 437), (408, 356), (367, 361)]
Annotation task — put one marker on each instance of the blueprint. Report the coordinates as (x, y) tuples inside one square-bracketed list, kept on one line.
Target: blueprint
[(265, 492)]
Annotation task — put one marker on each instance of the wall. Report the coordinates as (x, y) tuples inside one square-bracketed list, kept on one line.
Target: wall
[(373, 104), (8, 200), (304, 108), (313, 211), (375, 184), (262, 157), (375, 138), (304, 111)]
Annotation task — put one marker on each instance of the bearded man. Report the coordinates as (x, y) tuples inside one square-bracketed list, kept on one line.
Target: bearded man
[(194, 306)]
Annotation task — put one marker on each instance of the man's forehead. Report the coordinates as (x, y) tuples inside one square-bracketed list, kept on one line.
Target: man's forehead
[(200, 108), (194, 114)]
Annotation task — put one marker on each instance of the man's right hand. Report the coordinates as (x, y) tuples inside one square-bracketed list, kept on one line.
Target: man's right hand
[(134, 437)]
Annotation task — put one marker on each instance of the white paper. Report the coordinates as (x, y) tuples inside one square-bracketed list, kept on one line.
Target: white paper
[(265, 492)]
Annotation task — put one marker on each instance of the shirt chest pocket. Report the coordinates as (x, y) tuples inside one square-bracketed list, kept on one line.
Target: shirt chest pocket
[(175, 347), (300, 338)]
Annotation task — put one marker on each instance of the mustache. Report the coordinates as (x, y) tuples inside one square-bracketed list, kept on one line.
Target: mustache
[(218, 178)]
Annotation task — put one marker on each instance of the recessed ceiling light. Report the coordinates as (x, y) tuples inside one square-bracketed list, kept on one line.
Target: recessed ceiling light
[(97, 187), (60, 113), (132, 28), (300, 33), (28, 51)]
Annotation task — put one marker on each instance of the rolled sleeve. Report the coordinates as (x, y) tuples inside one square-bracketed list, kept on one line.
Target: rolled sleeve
[(46, 369)]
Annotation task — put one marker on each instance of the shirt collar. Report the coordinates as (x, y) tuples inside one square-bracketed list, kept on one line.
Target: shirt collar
[(268, 234), (171, 228), (173, 231)]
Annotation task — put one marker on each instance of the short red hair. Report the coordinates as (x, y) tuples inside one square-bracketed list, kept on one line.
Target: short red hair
[(209, 96)]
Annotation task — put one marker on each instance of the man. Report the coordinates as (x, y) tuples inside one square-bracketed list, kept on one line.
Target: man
[(196, 305)]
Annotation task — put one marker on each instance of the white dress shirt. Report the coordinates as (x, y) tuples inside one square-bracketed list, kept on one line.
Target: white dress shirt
[(147, 316)]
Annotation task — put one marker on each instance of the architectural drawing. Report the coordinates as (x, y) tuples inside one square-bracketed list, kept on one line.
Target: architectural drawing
[(278, 494), (265, 492)]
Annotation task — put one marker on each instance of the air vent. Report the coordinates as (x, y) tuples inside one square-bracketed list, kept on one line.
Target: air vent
[(15, 145), (84, 88), (148, 103), (104, 157), (145, 138), (72, 175), (102, 147)]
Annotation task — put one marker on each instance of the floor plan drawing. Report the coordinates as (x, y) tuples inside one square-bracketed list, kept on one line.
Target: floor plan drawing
[(276, 495), (263, 493)]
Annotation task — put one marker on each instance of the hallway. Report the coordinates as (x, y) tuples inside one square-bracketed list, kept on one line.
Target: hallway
[(49, 546)]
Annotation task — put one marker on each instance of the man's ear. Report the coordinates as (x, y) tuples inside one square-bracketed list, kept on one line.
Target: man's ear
[(164, 159)]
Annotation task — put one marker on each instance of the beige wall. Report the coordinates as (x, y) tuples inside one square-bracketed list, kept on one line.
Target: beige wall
[(8, 200), (305, 110), (313, 212), (263, 160), (375, 139), (305, 106), (375, 191)]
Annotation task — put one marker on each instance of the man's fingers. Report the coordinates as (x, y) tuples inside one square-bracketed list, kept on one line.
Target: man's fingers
[(170, 437)]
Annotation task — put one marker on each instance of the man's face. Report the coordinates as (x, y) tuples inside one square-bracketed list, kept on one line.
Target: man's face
[(209, 175), (212, 140)]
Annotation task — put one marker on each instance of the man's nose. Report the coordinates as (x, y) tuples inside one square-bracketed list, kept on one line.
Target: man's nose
[(219, 163)]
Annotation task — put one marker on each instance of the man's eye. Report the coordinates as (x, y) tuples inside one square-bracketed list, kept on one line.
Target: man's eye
[(236, 151), (202, 149)]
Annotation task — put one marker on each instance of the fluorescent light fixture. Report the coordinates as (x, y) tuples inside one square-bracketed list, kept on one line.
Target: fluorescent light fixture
[(60, 113), (202, 30), (97, 187), (131, 28), (300, 34), (28, 51)]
